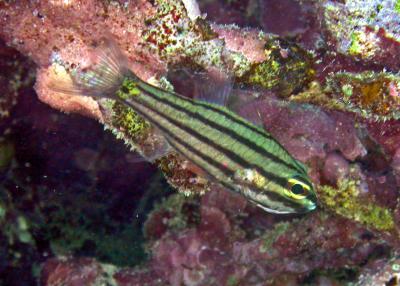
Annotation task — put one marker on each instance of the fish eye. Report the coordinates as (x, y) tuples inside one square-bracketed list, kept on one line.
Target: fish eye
[(297, 189)]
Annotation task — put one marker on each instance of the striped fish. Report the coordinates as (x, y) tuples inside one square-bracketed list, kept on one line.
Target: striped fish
[(237, 154)]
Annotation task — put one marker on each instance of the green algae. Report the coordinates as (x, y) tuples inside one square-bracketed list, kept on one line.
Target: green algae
[(287, 68), (80, 223), (70, 221), (355, 46), (348, 25), (131, 87), (397, 6), (232, 281), (396, 267), (362, 45), (7, 153), (129, 122), (24, 234), (271, 236), (265, 74), (3, 212), (176, 206), (240, 65), (372, 95), (344, 200), (316, 95), (347, 90)]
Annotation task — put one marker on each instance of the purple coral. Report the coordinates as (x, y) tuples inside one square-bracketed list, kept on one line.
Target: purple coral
[(220, 250)]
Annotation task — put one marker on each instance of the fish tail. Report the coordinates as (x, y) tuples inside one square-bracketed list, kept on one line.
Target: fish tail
[(102, 78)]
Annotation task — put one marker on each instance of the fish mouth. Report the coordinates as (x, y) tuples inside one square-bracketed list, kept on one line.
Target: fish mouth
[(310, 203), (308, 207), (312, 207)]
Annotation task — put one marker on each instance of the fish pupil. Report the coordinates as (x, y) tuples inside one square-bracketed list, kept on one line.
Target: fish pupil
[(297, 189)]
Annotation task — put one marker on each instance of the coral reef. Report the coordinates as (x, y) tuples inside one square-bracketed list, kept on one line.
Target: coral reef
[(381, 272), (366, 30), (286, 69), (370, 95), (313, 134), (325, 85), (85, 271), (223, 249)]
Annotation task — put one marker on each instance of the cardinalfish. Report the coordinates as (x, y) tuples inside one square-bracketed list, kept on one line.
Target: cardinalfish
[(232, 151)]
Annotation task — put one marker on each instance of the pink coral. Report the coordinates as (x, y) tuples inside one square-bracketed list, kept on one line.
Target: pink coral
[(314, 132), (216, 250), (83, 271), (40, 29), (247, 43), (335, 168), (387, 134)]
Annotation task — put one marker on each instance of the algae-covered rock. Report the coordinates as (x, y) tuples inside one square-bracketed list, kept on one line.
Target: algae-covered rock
[(286, 70)]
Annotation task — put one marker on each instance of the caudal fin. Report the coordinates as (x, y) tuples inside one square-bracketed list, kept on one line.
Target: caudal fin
[(102, 78)]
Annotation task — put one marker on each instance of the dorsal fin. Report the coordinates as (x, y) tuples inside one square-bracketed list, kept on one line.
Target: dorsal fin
[(214, 86)]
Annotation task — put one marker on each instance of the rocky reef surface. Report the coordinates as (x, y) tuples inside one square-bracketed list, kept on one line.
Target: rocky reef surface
[(78, 207)]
